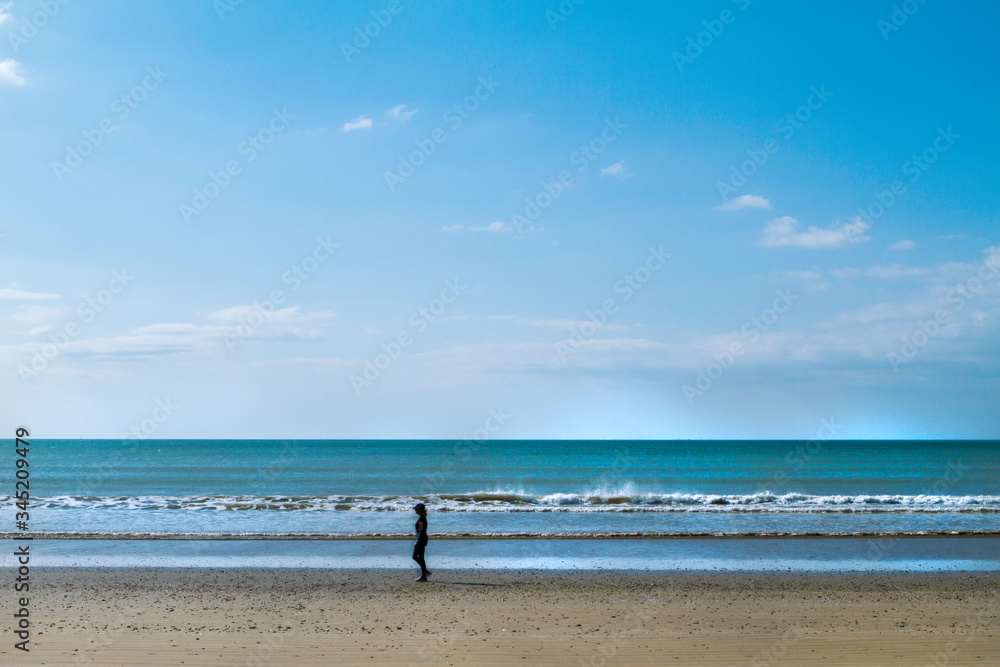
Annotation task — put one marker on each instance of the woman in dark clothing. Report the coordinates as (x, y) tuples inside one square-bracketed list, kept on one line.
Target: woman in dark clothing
[(418, 546)]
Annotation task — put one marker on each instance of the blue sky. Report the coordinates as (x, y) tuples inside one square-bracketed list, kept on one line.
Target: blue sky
[(716, 220)]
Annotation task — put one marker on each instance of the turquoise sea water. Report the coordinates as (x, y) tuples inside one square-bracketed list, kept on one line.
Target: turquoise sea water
[(526, 487)]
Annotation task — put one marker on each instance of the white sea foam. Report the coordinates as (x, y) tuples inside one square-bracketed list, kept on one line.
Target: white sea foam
[(507, 500)]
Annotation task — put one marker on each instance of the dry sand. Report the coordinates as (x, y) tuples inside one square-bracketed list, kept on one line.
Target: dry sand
[(323, 617)]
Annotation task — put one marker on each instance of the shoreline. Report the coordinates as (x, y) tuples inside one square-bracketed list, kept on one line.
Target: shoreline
[(678, 553), (208, 536)]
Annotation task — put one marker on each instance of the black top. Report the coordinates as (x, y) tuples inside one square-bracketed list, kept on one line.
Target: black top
[(421, 529)]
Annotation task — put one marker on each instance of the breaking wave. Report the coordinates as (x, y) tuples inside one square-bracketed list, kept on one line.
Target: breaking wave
[(519, 501)]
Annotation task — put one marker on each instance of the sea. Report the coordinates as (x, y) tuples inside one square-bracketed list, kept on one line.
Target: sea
[(645, 492)]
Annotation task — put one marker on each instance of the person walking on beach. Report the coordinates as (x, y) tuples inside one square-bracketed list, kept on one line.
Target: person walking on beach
[(421, 543)]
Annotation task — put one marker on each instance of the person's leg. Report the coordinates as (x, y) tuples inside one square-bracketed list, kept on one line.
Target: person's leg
[(418, 555)]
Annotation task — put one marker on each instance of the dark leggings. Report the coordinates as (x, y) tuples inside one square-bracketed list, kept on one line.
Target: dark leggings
[(418, 555)]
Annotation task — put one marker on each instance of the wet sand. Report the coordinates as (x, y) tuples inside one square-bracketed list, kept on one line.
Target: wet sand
[(234, 616)]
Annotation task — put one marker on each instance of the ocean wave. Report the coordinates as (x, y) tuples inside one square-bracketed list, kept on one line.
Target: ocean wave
[(276, 536), (521, 501)]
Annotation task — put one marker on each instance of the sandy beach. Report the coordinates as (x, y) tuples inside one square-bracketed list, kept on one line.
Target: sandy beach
[(196, 616)]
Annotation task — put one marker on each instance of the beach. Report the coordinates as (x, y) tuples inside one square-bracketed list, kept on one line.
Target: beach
[(295, 616), (231, 552)]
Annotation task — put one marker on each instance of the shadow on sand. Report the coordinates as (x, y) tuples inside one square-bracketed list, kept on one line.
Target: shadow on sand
[(458, 583)]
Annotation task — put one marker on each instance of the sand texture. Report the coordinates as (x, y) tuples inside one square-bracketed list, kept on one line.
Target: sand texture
[(381, 617)]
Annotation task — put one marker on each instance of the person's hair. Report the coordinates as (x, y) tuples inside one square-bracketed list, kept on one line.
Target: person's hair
[(419, 507)]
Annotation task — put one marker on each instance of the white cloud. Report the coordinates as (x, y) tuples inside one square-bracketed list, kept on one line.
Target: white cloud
[(903, 310), (9, 72), (9, 294), (615, 354), (4, 14), (496, 227), (617, 169), (282, 316), (400, 114), (231, 324), (557, 323), (30, 319), (359, 123), (784, 232), (884, 272), (905, 244), (744, 201), (852, 343)]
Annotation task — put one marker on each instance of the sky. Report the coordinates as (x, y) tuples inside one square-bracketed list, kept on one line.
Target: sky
[(577, 219)]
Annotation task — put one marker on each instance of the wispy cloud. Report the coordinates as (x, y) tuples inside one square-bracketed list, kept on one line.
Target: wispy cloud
[(497, 227), (617, 169), (856, 339), (542, 322), (905, 244), (784, 232), (9, 294), (744, 201), (5, 15), (886, 272), (292, 315), (359, 123), (401, 114), (398, 114), (182, 337), (9, 72), (30, 319)]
